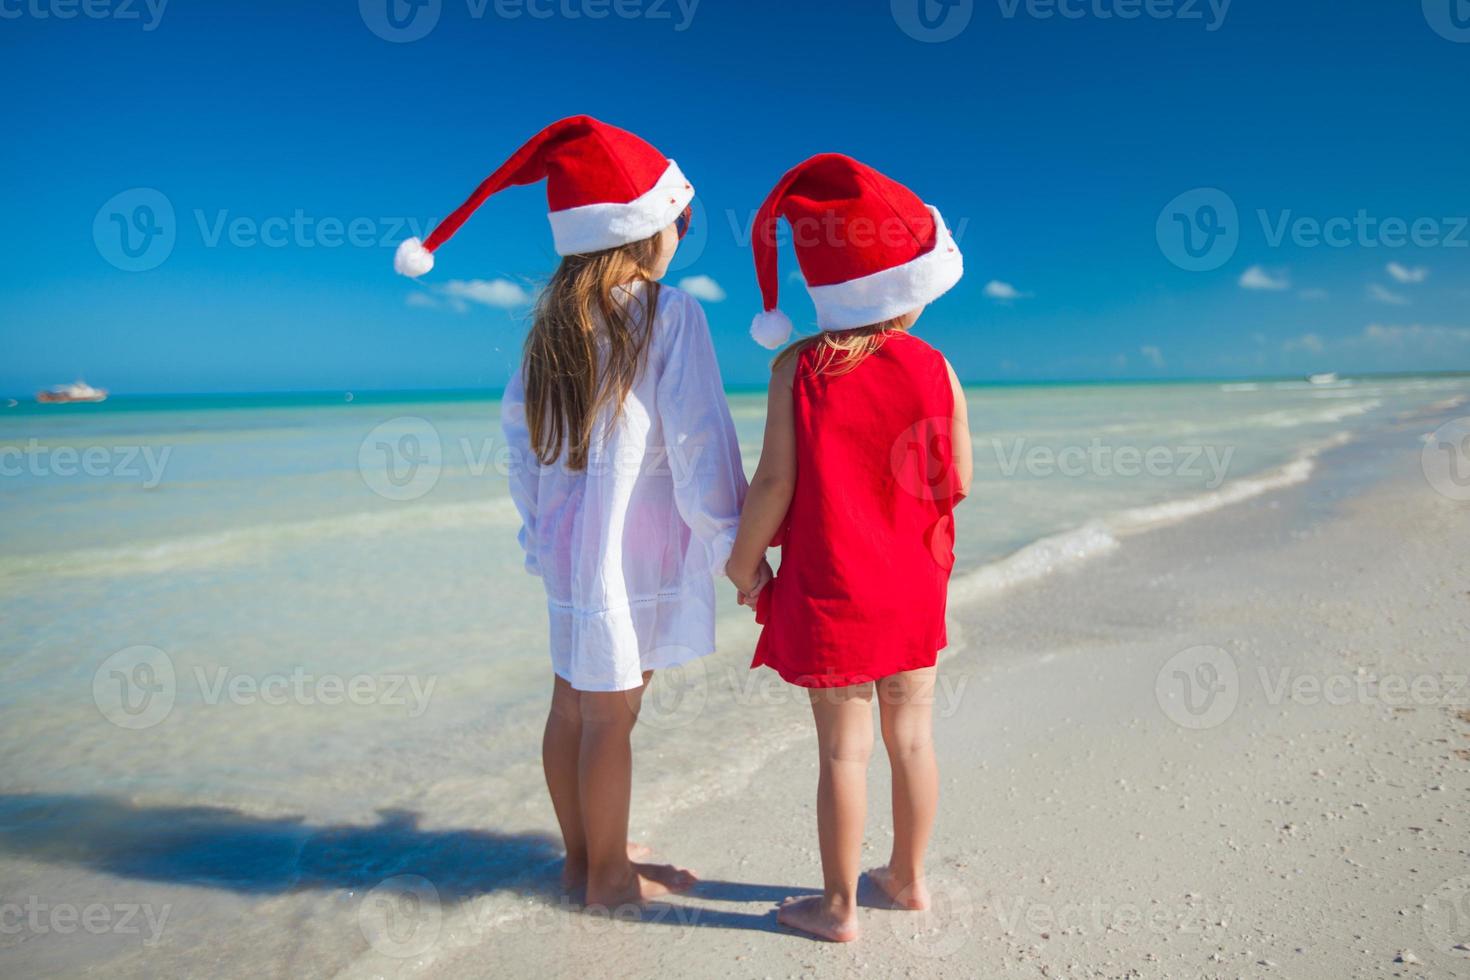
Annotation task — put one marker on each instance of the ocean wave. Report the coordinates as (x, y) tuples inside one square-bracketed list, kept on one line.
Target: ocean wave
[(1098, 537), (212, 549)]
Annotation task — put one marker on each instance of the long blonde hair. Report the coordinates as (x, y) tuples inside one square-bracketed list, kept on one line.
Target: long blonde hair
[(586, 346), (841, 351)]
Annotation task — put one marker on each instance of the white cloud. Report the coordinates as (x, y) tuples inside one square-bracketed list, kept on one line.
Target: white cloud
[(1406, 275), (1153, 355), (422, 301), (1313, 294), (1382, 295), (1309, 342), (1256, 277), (499, 293), (1003, 291), (702, 287)]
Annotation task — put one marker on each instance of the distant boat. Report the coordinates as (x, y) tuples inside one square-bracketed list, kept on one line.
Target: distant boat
[(77, 391), (1329, 378)]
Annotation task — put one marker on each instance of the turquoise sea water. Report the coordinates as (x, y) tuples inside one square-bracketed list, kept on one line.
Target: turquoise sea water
[(312, 609)]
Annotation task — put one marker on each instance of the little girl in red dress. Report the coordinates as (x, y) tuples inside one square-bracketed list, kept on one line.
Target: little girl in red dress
[(867, 450)]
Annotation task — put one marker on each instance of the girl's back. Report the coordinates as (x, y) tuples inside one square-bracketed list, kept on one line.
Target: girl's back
[(621, 545), (868, 539)]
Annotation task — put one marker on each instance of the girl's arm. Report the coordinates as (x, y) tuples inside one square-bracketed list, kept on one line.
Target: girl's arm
[(525, 468), (959, 435), (771, 490), (699, 435)]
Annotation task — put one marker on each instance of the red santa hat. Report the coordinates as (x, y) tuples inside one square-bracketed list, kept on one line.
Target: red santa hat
[(869, 249), (605, 187)]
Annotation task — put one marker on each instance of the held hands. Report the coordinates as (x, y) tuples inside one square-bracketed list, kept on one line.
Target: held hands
[(750, 585)]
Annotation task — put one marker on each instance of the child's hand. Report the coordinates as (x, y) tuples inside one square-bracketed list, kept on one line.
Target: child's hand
[(751, 589)]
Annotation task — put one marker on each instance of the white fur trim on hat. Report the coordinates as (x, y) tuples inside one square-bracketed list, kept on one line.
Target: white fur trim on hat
[(771, 329), (412, 259), (881, 296), (594, 227)]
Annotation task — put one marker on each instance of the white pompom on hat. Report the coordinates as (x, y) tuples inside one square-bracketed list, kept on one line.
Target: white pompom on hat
[(869, 249)]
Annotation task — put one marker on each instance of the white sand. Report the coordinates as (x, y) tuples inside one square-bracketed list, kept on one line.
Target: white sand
[(1318, 829), (1310, 821)]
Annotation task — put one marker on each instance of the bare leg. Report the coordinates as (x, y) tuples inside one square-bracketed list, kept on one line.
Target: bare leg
[(844, 717), (906, 708), (605, 787), (560, 748), (560, 751)]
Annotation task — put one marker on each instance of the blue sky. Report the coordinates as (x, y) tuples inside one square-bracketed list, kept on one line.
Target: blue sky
[(295, 144)]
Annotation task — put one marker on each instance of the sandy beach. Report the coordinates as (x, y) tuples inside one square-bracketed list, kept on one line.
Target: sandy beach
[(1221, 744), (1102, 818)]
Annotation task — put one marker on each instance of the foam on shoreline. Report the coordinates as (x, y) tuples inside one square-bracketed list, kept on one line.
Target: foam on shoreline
[(1069, 549)]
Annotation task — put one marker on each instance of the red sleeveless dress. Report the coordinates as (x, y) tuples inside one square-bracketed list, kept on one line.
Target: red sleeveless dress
[(868, 541)]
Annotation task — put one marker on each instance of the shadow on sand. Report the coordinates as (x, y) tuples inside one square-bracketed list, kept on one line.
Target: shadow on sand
[(224, 848)]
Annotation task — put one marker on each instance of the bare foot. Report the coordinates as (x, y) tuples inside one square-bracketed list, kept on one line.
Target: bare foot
[(910, 895), (647, 882), (574, 873), (811, 915)]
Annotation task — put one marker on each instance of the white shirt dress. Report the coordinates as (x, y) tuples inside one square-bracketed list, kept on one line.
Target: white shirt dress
[(628, 548)]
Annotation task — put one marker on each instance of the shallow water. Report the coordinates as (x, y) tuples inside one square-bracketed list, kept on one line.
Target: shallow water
[(307, 617)]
